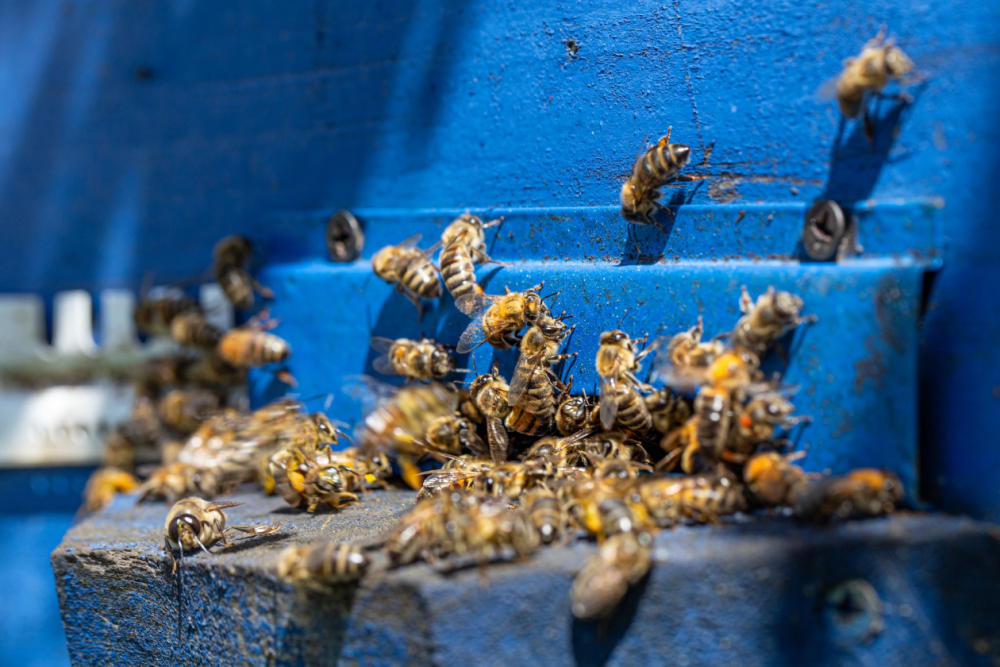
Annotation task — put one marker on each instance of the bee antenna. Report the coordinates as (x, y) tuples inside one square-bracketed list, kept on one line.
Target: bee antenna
[(349, 438), (622, 320), (552, 296), (199, 543), (460, 382), (474, 370)]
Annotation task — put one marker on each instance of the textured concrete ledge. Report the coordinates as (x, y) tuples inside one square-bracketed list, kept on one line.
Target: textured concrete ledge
[(758, 591)]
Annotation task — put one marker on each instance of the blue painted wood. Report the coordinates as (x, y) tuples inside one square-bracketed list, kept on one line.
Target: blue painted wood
[(132, 136)]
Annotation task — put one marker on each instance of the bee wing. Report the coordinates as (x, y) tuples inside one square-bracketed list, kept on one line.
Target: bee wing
[(473, 336), (381, 344), (442, 478), (498, 441), (522, 374), (609, 398), (828, 90), (384, 366), (474, 305), (410, 242), (368, 391), (476, 445), (211, 507)]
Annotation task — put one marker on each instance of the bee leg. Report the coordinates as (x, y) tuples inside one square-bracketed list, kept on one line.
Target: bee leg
[(413, 299), (285, 376), (345, 499), (258, 530), (669, 462), (486, 259), (869, 124), (650, 220), (265, 292)]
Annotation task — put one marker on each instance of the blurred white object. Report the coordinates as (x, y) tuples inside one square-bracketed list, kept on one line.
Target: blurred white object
[(59, 402)]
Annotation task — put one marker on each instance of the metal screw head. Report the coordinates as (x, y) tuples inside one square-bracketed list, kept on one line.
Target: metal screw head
[(824, 228), (344, 238)]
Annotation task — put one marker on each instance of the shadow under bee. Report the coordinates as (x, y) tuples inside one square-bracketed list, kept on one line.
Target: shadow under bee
[(644, 244), (594, 641)]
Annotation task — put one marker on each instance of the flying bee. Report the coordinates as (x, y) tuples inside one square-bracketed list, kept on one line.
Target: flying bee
[(421, 359), (305, 479), (490, 394), (322, 564), (701, 498), (190, 328), (498, 319), (464, 246), (104, 484), (772, 316), (546, 514), (621, 561), (251, 346), (154, 315), (186, 410), (193, 522), (667, 409), (232, 255), (617, 363), (879, 63), (653, 167), (865, 492), (455, 434), (532, 395), (396, 421), (410, 270)]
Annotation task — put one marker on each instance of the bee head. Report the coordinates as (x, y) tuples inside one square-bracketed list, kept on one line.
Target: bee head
[(628, 199), (181, 524), (327, 431), (897, 63), (382, 263), (615, 337), (787, 305), (233, 250), (442, 363)]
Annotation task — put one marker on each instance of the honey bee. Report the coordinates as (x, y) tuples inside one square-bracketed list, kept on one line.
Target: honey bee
[(574, 413), (186, 410), (464, 246), (305, 479), (864, 492), (104, 484), (232, 255), (699, 444), (190, 328), (596, 447), (757, 422), (397, 421), (773, 479), (422, 359), (498, 319), (621, 561), (322, 564), (774, 315), (879, 63), (701, 498), (176, 480), (251, 346), (545, 513), (531, 393), (490, 394), (455, 434), (210, 369), (193, 522), (412, 536), (653, 168), (410, 270), (687, 353), (153, 315), (667, 409), (617, 363), (459, 472)]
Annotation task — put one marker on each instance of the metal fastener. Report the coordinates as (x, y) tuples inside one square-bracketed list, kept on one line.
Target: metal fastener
[(344, 238), (854, 610), (824, 229)]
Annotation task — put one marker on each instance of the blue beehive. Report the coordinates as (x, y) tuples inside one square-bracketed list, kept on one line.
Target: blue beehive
[(136, 135)]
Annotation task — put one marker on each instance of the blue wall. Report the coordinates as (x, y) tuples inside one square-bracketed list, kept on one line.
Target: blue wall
[(133, 135)]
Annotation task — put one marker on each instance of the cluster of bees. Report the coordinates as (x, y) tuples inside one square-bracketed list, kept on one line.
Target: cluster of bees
[(525, 463)]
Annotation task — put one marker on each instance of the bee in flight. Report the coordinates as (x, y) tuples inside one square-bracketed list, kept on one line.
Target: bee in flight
[(193, 522), (422, 359), (879, 63), (232, 255), (498, 319), (410, 270), (464, 246), (654, 166)]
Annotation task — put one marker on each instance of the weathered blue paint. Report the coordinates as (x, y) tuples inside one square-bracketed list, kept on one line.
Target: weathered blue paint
[(132, 136)]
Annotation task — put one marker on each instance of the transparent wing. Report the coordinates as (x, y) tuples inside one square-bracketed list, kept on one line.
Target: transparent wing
[(522, 376), (211, 507), (367, 391), (609, 399), (475, 304), (828, 90), (498, 441), (382, 345), (410, 242), (476, 445), (384, 366), (473, 336)]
